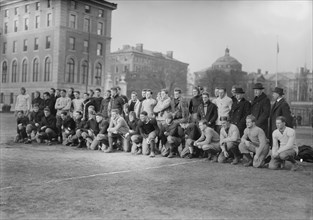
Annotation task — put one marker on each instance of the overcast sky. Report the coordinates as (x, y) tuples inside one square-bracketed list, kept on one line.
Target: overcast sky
[(199, 31)]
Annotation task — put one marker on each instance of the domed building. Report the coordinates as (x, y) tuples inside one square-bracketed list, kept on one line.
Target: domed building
[(227, 63)]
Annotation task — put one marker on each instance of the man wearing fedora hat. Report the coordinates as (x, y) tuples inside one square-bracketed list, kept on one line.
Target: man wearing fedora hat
[(260, 107), (240, 110), (279, 108)]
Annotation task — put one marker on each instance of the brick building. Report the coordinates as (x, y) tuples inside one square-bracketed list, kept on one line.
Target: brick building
[(57, 43), (142, 68)]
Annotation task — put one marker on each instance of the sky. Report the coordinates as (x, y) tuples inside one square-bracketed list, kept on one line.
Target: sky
[(198, 32)]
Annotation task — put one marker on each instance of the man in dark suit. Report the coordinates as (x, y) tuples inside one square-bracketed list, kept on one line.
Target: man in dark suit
[(279, 108), (240, 110), (207, 110), (261, 107)]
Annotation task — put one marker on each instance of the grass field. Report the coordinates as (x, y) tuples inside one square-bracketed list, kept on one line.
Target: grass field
[(57, 182)]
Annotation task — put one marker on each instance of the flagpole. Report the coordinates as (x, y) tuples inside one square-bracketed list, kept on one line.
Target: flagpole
[(276, 84)]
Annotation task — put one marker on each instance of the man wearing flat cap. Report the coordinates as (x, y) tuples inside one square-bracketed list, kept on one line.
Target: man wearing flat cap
[(240, 110), (261, 107), (279, 108)]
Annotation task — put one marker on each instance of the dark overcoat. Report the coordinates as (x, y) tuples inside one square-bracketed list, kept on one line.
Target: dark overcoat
[(211, 114), (238, 113), (260, 109)]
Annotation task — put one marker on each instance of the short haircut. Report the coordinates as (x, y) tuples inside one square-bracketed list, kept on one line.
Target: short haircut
[(134, 92), (63, 90), (86, 93), (177, 90), (64, 113), (144, 90), (36, 105), (79, 112), (251, 117), (23, 88), (114, 89), (204, 122), (98, 89), (222, 88), (118, 88), (224, 118), (115, 110), (37, 92), (20, 111), (53, 89), (206, 93), (72, 88), (109, 91), (164, 90), (91, 107), (197, 88), (149, 90), (78, 92), (144, 113), (47, 94), (132, 113), (281, 118)]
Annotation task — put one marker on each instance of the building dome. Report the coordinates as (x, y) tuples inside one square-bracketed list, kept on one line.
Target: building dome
[(227, 63)]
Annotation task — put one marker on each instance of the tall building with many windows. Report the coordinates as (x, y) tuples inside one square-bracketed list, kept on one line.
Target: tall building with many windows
[(53, 43)]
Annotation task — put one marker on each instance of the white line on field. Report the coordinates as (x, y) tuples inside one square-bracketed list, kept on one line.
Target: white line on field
[(99, 174)]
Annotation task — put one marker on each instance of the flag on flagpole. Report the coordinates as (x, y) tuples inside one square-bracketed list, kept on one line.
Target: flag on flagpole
[(277, 48)]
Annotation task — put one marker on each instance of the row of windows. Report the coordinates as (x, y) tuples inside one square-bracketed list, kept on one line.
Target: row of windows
[(87, 9), (26, 24), (26, 8), (70, 76), (11, 98), (72, 46), (25, 45), (87, 24)]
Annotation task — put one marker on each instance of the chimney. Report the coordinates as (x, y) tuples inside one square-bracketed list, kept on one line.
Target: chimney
[(169, 54), (139, 47), (259, 71)]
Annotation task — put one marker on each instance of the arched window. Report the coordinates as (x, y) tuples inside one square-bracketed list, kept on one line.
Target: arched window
[(47, 69), (69, 76), (35, 70), (4, 72), (98, 74), (84, 71), (14, 71), (24, 71)]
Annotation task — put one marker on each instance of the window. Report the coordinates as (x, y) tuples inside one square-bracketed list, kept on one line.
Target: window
[(87, 24), (11, 98), (49, 18), (14, 46), (25, 44), (4, 72), (69, 75), (16, 11), (72, 43), (72, 22), (37, 21), (4, 49), (14, 71), (47, 69), (101, 13), (48, 3), (1, 98), (35, 70), (98, 74), (37, 6), (26, 23), (87, 9), (26, 8), (85, 71), (100, 28), (99, 49), (6, 13), (5, 27), (48, 42), (15, 26), (36, 43), (73, 4), (24, 71), (86, 46)]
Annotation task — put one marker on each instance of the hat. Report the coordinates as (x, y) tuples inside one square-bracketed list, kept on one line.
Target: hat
[(258, 86), (99, 114), (47, 109), (279, 91), (239, 90)]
